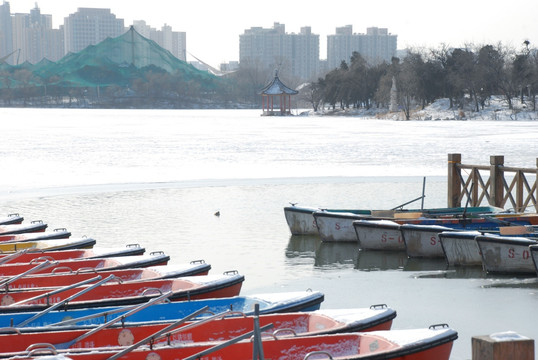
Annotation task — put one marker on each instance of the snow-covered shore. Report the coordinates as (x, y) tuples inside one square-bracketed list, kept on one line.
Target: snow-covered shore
[(495, 109)]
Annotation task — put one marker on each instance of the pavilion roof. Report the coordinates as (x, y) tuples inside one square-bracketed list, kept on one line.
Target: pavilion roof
[(277, 87)]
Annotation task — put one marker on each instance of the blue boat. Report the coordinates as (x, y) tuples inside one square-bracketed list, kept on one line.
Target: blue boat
[(268, 303)]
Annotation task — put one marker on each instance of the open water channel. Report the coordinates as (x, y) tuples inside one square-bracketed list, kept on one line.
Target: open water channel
[(157, 177)]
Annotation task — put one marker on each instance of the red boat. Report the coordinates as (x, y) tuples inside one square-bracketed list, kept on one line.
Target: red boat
[(430, 343), (112, 292), (99, 264), (221, 327), (34, 226), (197, 267), (28, 255), (11, 219), (42, 235)]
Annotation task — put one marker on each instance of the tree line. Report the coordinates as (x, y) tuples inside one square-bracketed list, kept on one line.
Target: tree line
[(463, 75)]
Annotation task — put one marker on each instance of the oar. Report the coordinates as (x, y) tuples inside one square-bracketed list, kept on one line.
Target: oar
[(66, 345), (57, 291), (96, 315), (197, 323), (158, 333), (58, 304), (224, 344), (38, 267), (13, 256)]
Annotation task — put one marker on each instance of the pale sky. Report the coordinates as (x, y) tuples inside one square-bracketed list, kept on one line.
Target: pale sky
[(213, 26)]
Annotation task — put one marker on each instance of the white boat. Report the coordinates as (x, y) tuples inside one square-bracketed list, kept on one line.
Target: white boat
[(300, 220), (337, 227), (534, 255), (460, 248), (379, 235), (506, 254), (423, 240)]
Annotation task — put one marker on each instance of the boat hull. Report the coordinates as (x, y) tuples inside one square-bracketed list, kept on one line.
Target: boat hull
[(423, 240), (506, 255), (379, 235), (534, 254), (128, 293), (97, 264), (460, 248), (52, 244), (269, 303), (335, 227), (413, 344), (136, 274), (221, 328), (300, 220)]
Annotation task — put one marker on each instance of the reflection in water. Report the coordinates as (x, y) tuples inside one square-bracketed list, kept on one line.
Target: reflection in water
[(302, 246), (371, 260), (336, 254), (425, 264), (302, 249), (458, 272)]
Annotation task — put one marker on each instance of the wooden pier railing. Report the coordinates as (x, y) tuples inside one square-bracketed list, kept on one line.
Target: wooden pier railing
[(499, 185)]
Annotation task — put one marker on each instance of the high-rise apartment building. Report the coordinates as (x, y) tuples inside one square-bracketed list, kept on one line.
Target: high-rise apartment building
[(89, 26), (6, 32), (34, 38), (293, 54), (376, 46)]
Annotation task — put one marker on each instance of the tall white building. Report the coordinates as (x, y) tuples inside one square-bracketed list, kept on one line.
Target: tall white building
[(376, 46), (6, 32), (34, 38), (90, 26), (271, 49)]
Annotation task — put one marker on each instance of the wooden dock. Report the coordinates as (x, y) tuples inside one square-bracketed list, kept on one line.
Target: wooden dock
[(498, 185)]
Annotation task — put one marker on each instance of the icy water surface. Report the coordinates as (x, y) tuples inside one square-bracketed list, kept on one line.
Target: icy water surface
[(157, 177)]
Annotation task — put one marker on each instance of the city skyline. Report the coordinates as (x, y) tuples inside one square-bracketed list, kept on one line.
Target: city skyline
[(213, 27)]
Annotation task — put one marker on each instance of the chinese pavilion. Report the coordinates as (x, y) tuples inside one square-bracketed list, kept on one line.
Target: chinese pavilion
[(276, 98)]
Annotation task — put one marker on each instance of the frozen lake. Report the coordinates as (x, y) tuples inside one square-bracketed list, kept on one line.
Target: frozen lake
[(157, 177)]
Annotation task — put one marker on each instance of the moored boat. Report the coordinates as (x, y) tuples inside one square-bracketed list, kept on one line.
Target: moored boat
[(506, 254), (94, 264), (221, 327), (112, 292), (379, 235), (13, 218), (423, 240), (460, 248), (269, 303), (337, 227), (52, 244), (34, 226), (24, 256), (300, 219), (59, 279), (434, 342), (59, 233), (377, 230)]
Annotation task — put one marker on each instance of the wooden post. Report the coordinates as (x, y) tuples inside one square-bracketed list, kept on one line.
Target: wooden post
[(454, 180), (536, 188), (492, 347), (496, 176), (519, 191)]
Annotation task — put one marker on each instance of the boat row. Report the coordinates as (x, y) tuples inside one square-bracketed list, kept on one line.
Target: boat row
[(502, 243), (87, 302)]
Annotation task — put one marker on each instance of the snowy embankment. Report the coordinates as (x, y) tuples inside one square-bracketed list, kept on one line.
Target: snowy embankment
[(495, 109)]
